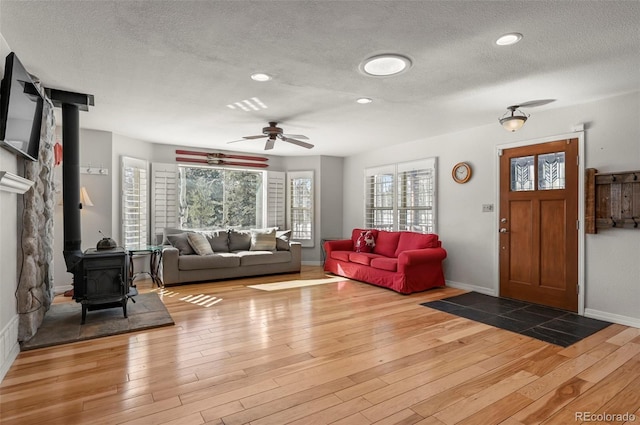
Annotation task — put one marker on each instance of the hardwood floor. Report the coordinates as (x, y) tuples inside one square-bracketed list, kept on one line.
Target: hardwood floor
[(341, 353)]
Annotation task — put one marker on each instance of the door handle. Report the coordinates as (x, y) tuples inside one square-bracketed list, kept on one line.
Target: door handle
[(503, 230)]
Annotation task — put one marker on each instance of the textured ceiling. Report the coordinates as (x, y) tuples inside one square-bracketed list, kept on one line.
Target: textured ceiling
[(165, 71)]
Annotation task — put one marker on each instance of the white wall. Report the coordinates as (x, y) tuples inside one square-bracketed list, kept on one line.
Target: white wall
[(9, 348), (612, 142)]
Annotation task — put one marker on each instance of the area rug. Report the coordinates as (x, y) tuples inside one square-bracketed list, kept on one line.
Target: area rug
[(547, 324), (61, 324), (298, 283)]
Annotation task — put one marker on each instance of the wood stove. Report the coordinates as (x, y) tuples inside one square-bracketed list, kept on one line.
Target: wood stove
[(101, 281)]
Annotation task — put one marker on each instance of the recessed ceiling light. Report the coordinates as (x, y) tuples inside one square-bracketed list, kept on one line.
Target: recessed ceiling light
[(509, 39), (363, 100), (385, 65), (260, 77)]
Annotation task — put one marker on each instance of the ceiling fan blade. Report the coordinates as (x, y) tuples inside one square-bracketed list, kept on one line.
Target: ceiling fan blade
[(269, 144), (534, 103), (255, 137), (297, 142), (297, 136)]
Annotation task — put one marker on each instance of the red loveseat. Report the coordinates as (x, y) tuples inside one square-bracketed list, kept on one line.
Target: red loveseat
[(403, 261)]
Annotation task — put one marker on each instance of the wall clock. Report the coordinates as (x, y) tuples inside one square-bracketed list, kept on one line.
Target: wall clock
[(461, 172)]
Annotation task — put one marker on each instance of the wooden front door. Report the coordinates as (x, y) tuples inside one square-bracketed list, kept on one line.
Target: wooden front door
[(538, 224)]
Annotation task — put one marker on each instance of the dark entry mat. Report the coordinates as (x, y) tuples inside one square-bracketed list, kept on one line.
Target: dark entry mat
[(557, 327)]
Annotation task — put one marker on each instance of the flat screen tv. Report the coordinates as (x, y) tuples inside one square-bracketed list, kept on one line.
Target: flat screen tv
[(20, 110)]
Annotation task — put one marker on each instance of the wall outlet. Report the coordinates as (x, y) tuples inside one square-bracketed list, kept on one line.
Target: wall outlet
[(487, 207)]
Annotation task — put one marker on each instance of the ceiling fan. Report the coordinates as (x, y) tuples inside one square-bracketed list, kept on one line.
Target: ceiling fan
[(515, 122), (273, 132)]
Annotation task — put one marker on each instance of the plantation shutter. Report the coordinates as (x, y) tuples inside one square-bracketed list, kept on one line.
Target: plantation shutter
[(300, 206), (164, 197), (416, 196), (380, 198), (135, 205), (275, 196)]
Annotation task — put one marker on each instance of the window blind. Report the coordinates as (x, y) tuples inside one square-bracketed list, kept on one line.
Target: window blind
[(401, 196), (300, 211), (164, 197), (275, 196), (135, 193)]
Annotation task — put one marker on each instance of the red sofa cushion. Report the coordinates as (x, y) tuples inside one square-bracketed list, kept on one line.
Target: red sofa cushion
[(386, 243), (362, 258), (340, 255), (385, 263), (412, 240)]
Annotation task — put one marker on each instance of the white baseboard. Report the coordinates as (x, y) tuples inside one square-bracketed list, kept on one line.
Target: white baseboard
[(612, 317), (9, 347), (312, 263), (468, 287)]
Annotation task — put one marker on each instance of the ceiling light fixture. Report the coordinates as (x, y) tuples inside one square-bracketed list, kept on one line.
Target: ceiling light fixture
[(385, 65), (513, 122), (509, 39), (364, 100), (259, 76)]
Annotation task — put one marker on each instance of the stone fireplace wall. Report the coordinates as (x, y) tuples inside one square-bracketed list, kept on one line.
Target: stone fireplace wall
[(35, 273)]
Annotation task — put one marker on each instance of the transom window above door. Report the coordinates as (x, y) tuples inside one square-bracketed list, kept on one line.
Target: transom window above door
[(538, 172)]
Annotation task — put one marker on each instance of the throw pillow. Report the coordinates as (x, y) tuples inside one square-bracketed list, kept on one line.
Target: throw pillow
[(218, 239), (239, 240), (181, 241), (282, 240), (170, 231), (263, 239), (366, 241), (199, 243)]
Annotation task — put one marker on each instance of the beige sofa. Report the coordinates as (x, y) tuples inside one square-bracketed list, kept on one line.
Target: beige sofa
[(235, 254)]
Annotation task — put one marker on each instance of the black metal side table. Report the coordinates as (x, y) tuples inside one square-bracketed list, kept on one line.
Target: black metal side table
[(155, 259)]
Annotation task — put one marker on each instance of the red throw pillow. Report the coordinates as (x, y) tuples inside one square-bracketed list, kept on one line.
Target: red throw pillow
[(366, 241)]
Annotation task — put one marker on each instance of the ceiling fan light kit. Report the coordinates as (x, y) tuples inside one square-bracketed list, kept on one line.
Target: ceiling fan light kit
[(273, 132), (513, 122)]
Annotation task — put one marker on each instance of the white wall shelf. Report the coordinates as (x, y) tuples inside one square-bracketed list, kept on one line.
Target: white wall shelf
[(10, 182)]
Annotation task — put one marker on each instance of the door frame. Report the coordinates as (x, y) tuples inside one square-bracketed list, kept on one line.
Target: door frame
[(581, 235)]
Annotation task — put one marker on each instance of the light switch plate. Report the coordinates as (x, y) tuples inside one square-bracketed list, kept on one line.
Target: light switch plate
[(487, 207)]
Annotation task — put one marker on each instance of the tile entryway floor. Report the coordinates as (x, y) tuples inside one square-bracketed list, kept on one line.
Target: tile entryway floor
[(557, 327)]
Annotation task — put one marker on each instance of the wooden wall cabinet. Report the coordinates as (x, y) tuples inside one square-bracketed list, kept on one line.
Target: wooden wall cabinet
[(612, 200)]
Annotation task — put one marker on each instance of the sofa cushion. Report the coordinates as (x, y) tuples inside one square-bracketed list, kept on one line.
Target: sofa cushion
[(365, 242), (214, 261), (386, 243), (362, 257), (181, 241), (252, 258), (218, 240), (199, 243), (263, 239), (385, 263), (239, 240), (412, 240), (341, 255), (283, 238)]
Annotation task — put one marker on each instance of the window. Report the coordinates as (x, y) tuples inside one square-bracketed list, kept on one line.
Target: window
[(212, 198), (135, 192), (401, 196), (300, 211)]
